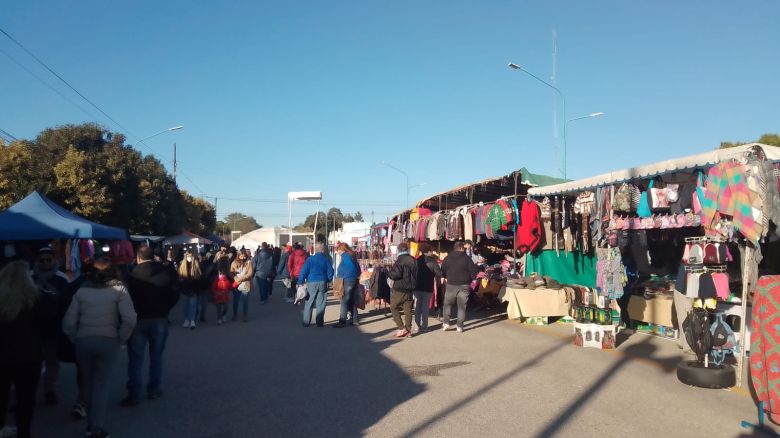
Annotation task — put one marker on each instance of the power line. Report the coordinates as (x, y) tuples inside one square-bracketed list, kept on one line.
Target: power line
[(6, 135), (50, 70), (284, 201), (62, 79), (49, 86)]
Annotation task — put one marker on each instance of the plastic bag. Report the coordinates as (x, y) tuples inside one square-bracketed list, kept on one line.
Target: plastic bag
[(301, 294)]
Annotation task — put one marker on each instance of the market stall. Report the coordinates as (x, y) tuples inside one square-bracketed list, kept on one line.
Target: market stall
[(680, 233)]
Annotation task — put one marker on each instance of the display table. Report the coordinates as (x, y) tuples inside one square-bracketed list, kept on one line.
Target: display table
[(656, 310), (526, 303)]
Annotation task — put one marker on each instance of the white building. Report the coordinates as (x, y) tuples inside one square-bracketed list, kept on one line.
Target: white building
[(351, 233)]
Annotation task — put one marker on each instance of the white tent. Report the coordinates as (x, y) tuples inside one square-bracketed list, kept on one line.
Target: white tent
[(651, 170), (276, 236), (186, 238)]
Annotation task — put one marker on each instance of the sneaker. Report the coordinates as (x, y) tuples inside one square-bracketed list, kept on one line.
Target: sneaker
[(219, 322), (78, 412), (7, 432), (408, 334), (129, 402), (192, 325), (401, 333), (186, 324), (340, 324), (51, 398), (460, 329), (415, 330), (445, 327)]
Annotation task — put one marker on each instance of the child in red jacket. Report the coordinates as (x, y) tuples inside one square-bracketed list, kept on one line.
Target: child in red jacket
[(220, 289)]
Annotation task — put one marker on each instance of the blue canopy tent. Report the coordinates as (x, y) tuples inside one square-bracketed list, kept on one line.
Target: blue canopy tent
[(36, 217)]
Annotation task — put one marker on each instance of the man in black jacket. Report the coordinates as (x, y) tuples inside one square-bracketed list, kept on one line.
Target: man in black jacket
[(459, 270), (404, 276), (151, 286)]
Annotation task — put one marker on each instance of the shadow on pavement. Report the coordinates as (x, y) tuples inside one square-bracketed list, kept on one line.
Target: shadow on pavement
[(643, 350), (267, 377)]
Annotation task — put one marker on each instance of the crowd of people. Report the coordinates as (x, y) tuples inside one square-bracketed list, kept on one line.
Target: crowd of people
[(46, 319)]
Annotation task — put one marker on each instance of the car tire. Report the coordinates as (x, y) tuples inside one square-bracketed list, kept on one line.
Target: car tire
[(715, 377)]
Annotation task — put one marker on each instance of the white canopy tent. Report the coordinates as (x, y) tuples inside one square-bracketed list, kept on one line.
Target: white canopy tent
[(186, 238), (276, 236), (650, 170)]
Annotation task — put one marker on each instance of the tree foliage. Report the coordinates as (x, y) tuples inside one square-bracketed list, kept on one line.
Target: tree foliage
[(335, 220), (90, 171), (768, 139), (240, 222)]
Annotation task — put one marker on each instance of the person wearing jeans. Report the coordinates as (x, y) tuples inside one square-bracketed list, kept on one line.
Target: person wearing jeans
[(153, 332), (459, 270), (263, 266), (242, 275), (190, 281), (151, 287), (428, 274), (349, 271), (99, 320), (317, 271)]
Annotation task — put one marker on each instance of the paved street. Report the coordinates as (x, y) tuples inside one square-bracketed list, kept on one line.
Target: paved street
[(272, 377)]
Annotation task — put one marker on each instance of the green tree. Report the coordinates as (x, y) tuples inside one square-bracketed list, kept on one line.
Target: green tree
[(768, 139), (241, 222)]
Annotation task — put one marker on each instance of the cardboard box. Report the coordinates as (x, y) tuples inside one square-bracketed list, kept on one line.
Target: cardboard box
[(657, 310)]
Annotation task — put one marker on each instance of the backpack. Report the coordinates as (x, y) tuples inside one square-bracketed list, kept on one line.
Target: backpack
[(723, 340), (626, 198)]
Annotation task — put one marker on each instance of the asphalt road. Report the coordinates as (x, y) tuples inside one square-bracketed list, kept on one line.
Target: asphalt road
[(272, 377)]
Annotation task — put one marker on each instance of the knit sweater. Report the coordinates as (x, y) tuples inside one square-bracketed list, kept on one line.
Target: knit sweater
[(727, 193), (529, 232)]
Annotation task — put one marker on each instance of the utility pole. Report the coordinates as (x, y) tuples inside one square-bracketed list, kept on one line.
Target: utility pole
[(174, 162)]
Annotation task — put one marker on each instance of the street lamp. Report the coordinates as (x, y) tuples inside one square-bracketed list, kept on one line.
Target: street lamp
[(406, 175), (303, 196), (512, 65), (175, 128), (565, 130)]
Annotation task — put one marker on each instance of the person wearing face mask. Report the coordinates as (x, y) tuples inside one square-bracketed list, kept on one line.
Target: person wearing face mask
[(189, 284), (53, 286), (242, 284)]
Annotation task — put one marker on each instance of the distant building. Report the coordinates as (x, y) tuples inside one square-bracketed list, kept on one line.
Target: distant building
[(351, 233)]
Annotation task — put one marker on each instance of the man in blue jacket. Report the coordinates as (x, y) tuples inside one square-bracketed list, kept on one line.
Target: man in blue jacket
[(316, 272), (263, 264)]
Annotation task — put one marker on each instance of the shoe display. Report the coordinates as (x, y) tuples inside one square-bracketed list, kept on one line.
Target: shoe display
[(78, 412), (7, 432)]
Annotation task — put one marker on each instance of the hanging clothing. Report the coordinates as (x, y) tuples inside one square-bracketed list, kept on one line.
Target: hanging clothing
[(727, 193), (529, 231)]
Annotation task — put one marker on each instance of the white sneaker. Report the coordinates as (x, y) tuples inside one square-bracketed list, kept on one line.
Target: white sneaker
[(192, 325), (7, 432), (186, 324), (460, 330), (445, 327)]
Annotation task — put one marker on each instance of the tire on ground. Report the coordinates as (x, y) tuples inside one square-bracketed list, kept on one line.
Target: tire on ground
[(693, 374)]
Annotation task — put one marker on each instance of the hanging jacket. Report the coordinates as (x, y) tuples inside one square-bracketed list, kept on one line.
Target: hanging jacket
[(529, 232)]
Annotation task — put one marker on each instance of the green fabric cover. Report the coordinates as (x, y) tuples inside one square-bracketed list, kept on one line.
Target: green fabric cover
[(572, 268), (536, 180)]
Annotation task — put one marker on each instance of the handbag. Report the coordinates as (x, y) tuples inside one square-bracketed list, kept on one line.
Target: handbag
[(338, 287), (698, 195), (643, 210), (360, 299)]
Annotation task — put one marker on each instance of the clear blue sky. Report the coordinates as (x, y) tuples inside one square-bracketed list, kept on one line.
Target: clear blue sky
[(285, 96)]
